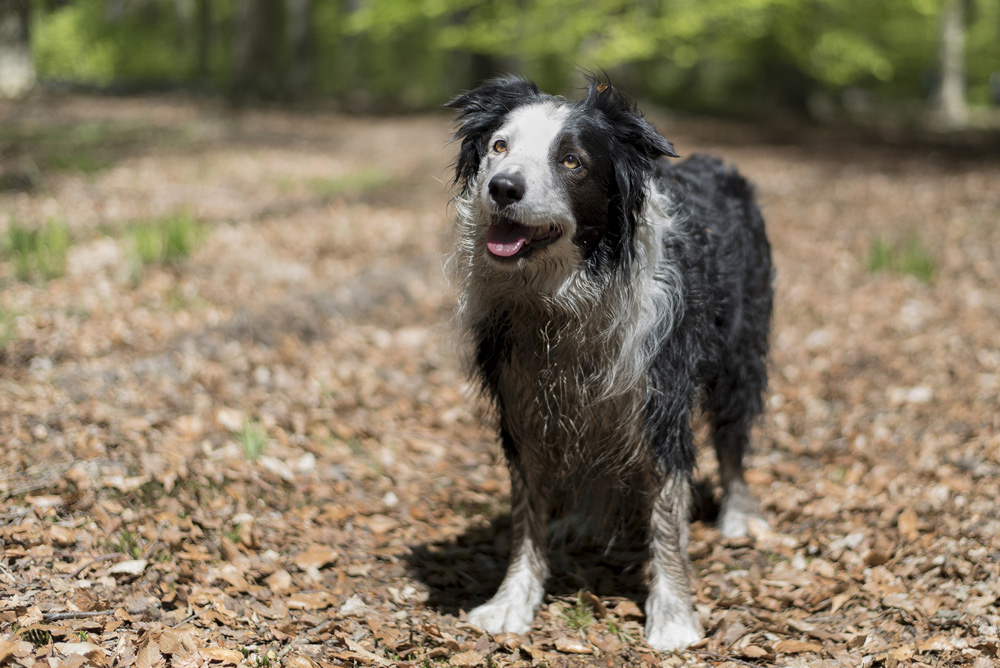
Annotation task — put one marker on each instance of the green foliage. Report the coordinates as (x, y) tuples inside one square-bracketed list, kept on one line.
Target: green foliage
[(64, 46), (579, 615), (86, 146), (7, 322), (393, 54), (912, 257), (37, 637), (37, 252), (166, 241), (128, 543), (254, 439), (351, 184)]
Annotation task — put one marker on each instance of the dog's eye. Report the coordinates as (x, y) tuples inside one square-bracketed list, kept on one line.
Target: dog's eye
[(499, 146), (571, 162)]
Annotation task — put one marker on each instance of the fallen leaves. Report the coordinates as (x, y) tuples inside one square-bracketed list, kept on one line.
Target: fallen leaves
[(137, 530)]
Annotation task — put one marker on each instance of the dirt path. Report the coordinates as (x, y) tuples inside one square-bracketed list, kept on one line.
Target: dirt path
[(265, 453)]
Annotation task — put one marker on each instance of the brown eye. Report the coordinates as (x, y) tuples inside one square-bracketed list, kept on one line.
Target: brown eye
[(571, 162), (499, 146)]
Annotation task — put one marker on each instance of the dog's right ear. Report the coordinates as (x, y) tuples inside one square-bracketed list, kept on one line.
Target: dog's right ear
[(480, 113)]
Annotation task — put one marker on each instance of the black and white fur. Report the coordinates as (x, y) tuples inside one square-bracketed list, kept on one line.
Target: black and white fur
[(608, 294)]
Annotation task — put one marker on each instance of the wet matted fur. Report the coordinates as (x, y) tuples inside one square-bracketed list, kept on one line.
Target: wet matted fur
[(608, 294)]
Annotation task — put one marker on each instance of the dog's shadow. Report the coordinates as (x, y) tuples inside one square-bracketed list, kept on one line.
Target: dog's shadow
[(465, 571)]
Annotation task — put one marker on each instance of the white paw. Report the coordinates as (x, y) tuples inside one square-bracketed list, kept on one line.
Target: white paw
[(739, 515), (672, 635), (502, 615), (671, 623)]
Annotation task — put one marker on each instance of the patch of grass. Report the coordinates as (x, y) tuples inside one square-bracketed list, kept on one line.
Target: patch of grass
[(233, 534), (7, 320), (912, 258), (128, 543), (37, 637), (253, 438), (578, 616), (85, 147), (166, 241), (39, 251), (355, 183)]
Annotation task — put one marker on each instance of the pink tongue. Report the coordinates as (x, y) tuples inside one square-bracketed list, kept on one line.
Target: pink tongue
[(506, 239)]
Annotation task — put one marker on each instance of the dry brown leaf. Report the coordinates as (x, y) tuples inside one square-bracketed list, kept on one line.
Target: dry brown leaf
[(906, 523), (469, 659), (594, 603), (605, 642), (572, 645), (9, 648), (299, 661), (900, 601), (628, 610), (365, 656), (279, 581), (309, 601), (84, 648), (316, 556), (936, 644), (381, 524), (220, 655), (148, 656), (796, 647)]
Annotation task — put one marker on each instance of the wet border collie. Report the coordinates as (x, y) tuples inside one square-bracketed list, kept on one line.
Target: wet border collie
[(608, 295)]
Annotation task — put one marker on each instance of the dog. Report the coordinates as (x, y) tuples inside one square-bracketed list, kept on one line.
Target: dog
[(608, 294)]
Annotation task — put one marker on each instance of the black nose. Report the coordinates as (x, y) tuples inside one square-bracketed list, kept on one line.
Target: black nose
[(505, 189)]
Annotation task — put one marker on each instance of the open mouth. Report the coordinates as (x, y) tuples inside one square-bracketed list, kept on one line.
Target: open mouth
[(507, 239)]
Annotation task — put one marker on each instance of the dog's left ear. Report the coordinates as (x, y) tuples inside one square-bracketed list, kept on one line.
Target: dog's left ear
[(480, 113), (638, 144)]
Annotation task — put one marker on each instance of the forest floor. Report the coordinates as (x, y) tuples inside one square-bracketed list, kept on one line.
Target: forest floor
[(261, 448)]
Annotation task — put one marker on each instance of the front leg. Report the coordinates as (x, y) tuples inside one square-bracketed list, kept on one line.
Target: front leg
[(671, 623), (512, 608)]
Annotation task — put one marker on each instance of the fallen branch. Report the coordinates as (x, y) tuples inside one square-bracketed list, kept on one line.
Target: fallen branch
[(722, 657), (77, 614)]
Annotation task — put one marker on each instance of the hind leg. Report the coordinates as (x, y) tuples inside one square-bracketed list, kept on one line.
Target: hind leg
[(738, 504), (735, 401)]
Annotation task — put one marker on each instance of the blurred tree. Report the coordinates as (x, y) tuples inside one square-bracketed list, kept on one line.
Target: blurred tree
[(729, 56), (204, 48), (256, 68), (951, 107), (17, 67), (302, 47)]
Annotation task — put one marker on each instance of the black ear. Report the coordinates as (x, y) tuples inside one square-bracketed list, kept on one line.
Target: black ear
[(634, 147), (637, 143), (480, 113)]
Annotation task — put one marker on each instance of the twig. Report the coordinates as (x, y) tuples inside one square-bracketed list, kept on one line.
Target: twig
[(304, 638), (723, 657), (100, 557), (193, 615), (156, 541), (78, 614)]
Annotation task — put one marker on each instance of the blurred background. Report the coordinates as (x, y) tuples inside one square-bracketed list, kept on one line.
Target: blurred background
[(223, 357), (914, 61)]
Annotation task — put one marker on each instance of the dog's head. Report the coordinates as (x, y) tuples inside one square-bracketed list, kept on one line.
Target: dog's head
[(553, 180)]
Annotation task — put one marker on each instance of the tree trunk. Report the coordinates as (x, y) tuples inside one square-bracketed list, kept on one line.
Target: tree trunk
[(17, 68), (256, 69), (950, 106), (204, 45), (301, 47)]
